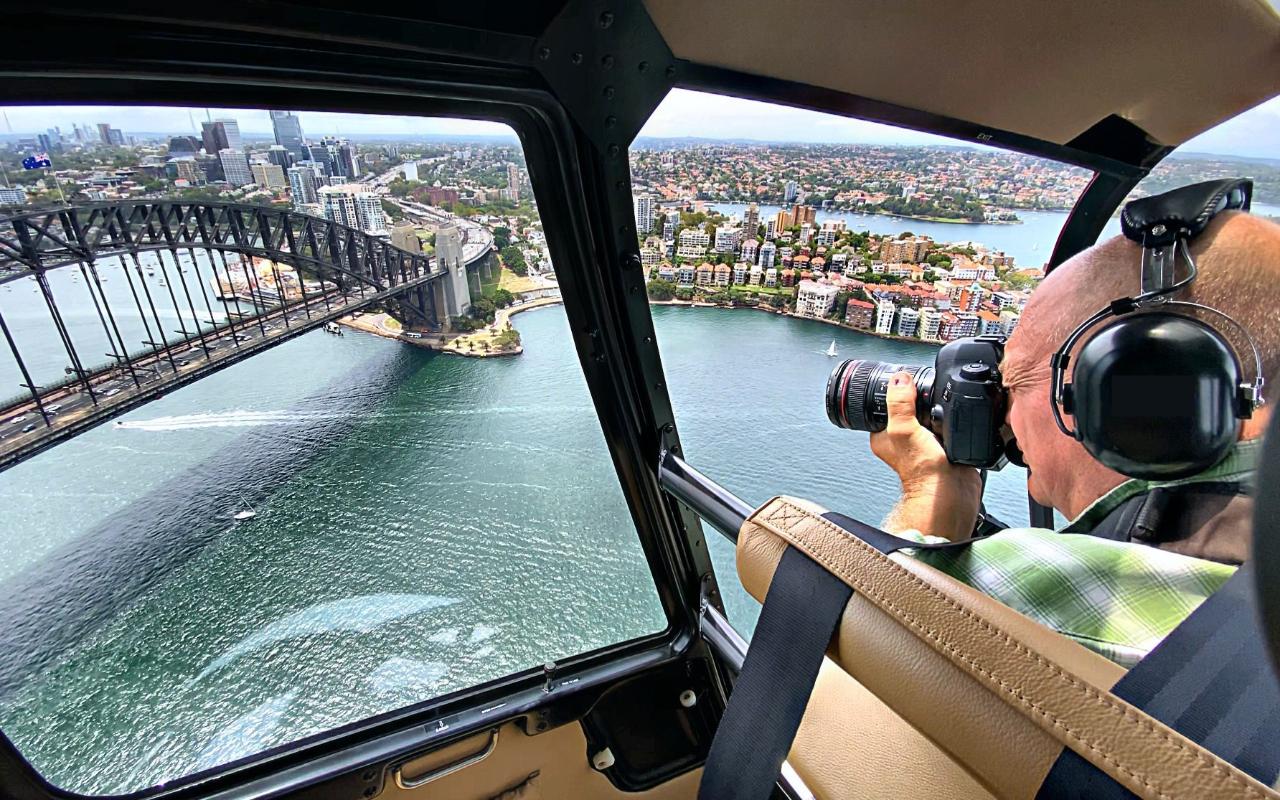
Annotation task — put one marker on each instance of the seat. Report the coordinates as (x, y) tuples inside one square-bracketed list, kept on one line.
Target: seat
[(995, 695)]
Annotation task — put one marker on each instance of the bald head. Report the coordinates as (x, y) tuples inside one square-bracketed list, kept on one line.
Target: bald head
[(1238, 261)]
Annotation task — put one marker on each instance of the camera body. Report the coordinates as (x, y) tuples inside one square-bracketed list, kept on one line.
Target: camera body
[(960, 399)]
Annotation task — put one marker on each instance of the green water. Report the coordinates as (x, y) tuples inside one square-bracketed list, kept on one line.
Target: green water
[(424, 523)]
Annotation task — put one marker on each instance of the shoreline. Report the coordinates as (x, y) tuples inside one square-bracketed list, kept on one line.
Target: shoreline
[(449, 342), (793, 315)]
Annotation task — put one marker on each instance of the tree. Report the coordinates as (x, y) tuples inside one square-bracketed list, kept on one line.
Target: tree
[(661, 290), (501, 297), (684, 293), (501, 237), (392, 210), (514, 260), (483, 309), (509, 339)]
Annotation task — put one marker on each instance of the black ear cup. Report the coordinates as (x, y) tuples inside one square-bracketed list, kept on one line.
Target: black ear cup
[(1155, 396)]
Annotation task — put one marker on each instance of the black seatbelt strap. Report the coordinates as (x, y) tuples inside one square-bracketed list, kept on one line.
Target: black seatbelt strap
[(800, 613), (1211, 680)]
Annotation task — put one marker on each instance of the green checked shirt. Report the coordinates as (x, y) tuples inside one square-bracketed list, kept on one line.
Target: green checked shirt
[(1117, 598)]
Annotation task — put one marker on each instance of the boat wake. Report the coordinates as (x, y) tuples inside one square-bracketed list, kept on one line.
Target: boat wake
[(224, 419)]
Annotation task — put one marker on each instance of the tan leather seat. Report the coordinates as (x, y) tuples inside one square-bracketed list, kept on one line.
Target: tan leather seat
[(995, 694)]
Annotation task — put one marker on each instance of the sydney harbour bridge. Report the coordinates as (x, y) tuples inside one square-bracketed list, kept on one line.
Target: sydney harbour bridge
[(237, 278)]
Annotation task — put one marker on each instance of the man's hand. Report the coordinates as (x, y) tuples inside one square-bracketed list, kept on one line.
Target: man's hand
[(938, 498)]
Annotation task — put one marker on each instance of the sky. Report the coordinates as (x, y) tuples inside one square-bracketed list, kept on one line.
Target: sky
[(682, 113)]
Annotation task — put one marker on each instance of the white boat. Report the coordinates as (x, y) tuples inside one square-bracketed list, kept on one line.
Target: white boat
[(246, 513), (831, 349)]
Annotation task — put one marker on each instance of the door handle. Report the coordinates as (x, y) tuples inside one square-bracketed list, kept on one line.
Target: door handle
[(397, 772)]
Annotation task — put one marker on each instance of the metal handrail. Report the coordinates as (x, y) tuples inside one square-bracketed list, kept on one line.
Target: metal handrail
[(721, 508)]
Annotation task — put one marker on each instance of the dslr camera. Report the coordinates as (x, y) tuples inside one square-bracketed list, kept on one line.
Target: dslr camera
[(960, 399)]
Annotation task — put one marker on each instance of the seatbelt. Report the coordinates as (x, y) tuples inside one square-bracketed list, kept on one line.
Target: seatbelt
[(800, 613), (1211, 680)]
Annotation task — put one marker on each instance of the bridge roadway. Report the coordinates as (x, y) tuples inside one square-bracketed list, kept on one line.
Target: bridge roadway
[(26, 430)]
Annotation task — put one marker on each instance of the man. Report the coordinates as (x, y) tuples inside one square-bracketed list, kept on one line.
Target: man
[(1115, 597)]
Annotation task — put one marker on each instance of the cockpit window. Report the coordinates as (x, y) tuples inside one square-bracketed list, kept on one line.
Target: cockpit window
[(780, 241), (294, 434)]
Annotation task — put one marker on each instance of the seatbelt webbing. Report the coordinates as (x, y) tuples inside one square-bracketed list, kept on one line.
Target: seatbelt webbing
[(800, 613), (1211, 680)]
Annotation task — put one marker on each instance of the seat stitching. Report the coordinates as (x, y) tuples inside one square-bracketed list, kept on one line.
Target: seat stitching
[(1091, 692)]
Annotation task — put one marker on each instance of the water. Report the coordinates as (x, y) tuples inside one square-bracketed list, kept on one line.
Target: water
[(425, 523)]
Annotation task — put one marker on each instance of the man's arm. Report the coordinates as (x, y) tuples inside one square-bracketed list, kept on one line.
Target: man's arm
[(938, 498)]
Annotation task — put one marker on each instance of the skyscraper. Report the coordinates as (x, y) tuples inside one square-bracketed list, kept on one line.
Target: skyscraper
[(347, 160), (214, 135), (750, 221), (280, 156), (644, 215), (235, 167), (232, 129), (789, 195), (302, 186), (411, 171), (513, 182), (288, 132)]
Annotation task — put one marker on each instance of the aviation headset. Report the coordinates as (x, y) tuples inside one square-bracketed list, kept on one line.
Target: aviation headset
[(1159, 394)]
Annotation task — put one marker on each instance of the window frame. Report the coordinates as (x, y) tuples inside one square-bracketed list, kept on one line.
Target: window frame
[(262, 58)]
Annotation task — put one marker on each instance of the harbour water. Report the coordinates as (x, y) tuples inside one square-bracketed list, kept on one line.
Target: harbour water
[(425, 523)]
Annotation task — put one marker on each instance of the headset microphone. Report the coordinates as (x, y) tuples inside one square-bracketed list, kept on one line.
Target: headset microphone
[(1159, 394)]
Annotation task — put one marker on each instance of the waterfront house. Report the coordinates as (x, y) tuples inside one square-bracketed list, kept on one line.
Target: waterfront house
[(723, 273), (685, 275), (666, 272), (756, 274), (740, 273), (706, 274), (858, 314), (788, 277), (814, 299), (771, 276)]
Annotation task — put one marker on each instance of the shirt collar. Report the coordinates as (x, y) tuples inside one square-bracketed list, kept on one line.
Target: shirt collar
[(1239, 465)]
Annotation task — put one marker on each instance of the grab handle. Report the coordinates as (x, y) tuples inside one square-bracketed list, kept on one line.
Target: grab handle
[(397, 772)]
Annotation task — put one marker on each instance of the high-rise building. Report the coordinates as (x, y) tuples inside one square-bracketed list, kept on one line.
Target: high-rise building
[(232, 130), (930, 324), (354, 206), (288, 132), (302, 186), (235, 167), (214, 135), (319, 154), (669, 225), (768, 251), (347, 160), (270, 176), (104, 132), (789, 193), (644, 214), (184, 168), (45, 141), (280, 156), (183, 146), (750, 221), (13, 195), (885, 311), (802, 214), (411, 171), (908, 322), (727, 239), (513, 182)]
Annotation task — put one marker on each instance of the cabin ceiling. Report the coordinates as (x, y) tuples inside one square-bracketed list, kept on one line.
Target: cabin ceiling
[(1046, 70)]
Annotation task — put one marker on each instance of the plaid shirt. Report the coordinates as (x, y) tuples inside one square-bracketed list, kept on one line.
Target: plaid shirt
[(1116, 598)]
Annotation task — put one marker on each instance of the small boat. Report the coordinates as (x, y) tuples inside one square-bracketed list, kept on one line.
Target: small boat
[(245, 514), (831, 349)]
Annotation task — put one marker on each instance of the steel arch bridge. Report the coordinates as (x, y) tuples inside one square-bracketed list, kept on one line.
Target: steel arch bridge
[(318, 271)]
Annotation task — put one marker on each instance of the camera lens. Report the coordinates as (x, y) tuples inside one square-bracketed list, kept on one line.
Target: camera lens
[(857, 393)]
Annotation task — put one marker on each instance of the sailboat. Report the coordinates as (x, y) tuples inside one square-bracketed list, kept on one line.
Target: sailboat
[(245, 514), (831, 349)]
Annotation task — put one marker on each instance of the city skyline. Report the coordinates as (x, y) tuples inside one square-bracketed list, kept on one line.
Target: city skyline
[(683, 114)]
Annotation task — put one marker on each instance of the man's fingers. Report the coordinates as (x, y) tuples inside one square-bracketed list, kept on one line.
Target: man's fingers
[(901, 403)]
